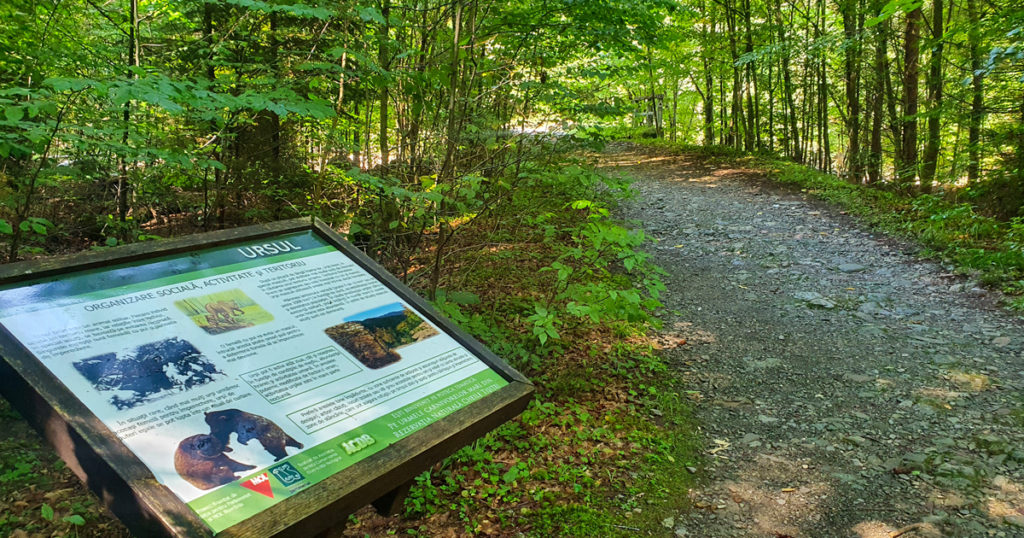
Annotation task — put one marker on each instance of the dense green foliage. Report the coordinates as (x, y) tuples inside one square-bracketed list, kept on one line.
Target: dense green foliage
[(918, 97), (401, 121), (393, 120), (435, 134)]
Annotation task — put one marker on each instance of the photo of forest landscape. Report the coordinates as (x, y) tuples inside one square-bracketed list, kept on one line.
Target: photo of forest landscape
[(148, 372), (373, 336), (224, 311)]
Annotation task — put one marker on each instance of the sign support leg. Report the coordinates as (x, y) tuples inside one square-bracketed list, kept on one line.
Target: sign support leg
[(390, 504)]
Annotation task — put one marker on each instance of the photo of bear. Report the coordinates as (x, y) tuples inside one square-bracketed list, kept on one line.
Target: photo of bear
[(373, 336), (200, 460), (247, 427), (148, 372), (224, 311)]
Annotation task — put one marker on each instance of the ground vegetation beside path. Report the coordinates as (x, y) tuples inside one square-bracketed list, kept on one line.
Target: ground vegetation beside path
[(845, 387)]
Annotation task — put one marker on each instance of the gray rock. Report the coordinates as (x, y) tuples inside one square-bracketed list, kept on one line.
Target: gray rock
[(851, 267), (814, 298)]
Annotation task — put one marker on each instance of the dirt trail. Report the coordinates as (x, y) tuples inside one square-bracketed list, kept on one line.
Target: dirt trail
[(846, 388)]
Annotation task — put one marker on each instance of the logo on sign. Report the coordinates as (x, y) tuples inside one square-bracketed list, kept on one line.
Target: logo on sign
[(357, 444), (260, 484), (287, 474)]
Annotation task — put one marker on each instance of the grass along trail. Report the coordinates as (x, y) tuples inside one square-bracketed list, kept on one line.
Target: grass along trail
[(845, 387)]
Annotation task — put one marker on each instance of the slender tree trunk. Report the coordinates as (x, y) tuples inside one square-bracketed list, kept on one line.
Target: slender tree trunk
[(789, 90), (931, 149), (709, 104), (275, 62), (447, 168), (709, 81), (383, 61), (889, 95), (723, 116), (133, 62), (977, 95), (737, 123), (1020, 145), (211, 77), (826, 146), (417, 94), (675, 107), (752, 135), (907, 171), (853, 21), (771, 109)]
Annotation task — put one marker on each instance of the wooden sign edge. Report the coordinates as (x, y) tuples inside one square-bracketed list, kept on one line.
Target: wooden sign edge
[(147, 507)]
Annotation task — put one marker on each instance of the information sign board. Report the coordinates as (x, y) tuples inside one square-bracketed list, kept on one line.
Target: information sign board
[(243, 369)]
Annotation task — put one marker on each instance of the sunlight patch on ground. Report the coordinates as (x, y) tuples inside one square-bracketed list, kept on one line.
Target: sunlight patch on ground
[(877, 529), (776, 503), (1005, 503), (970, 381), (940, 399)]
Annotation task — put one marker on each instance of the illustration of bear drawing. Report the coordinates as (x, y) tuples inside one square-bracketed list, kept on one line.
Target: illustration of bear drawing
[(249, 426), (200, 460)]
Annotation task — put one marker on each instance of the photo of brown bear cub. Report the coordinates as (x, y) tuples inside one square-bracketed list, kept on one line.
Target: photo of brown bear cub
[(200, 460), (249, 426)]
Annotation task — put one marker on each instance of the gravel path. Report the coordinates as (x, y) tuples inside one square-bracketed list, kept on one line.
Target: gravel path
[(846, 388)]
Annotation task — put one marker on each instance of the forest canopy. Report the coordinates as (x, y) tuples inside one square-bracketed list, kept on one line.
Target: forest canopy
[(125, 120)]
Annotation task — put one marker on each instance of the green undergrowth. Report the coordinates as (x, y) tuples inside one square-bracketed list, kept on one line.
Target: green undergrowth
[(985, 248), (551, 283), (38, 493), (564, 293)]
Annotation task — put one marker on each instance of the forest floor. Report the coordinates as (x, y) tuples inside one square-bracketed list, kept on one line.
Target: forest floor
[(845, 387)]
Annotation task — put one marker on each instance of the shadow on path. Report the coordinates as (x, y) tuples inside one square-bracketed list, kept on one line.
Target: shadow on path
[(845, 388)]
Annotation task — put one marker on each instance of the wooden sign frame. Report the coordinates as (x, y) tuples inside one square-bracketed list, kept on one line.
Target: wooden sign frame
[(148, 508)]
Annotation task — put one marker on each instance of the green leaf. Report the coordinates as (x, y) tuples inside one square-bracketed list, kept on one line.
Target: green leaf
[(371, 14), (511, 475), (111, 241), (582, 204), (46, 511), (5, 227), (14, 113), (463, 297), (74, 519)]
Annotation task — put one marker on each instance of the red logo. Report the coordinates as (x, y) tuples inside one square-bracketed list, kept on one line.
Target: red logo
[(260, 484)]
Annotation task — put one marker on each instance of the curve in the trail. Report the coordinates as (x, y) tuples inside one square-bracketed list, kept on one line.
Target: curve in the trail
[(846, 387)]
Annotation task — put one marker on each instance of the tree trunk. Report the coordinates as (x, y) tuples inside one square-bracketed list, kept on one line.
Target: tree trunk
[(752, 134), (1020, 145), (709, 81), (736, 122), (133, 61), (447, 167), (788, 90), (977, 95), (383, 61), (826, 146), (709, 104), (877, 96), (931, 149), (853, 21), (907, 170)]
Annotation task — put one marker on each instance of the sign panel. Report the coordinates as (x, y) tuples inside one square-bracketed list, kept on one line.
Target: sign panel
[(243, 374)]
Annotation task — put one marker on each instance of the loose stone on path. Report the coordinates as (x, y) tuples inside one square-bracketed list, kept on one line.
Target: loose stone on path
[(848, 388)]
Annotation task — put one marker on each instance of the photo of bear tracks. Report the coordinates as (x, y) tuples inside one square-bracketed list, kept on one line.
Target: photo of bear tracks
[(844, 386)]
